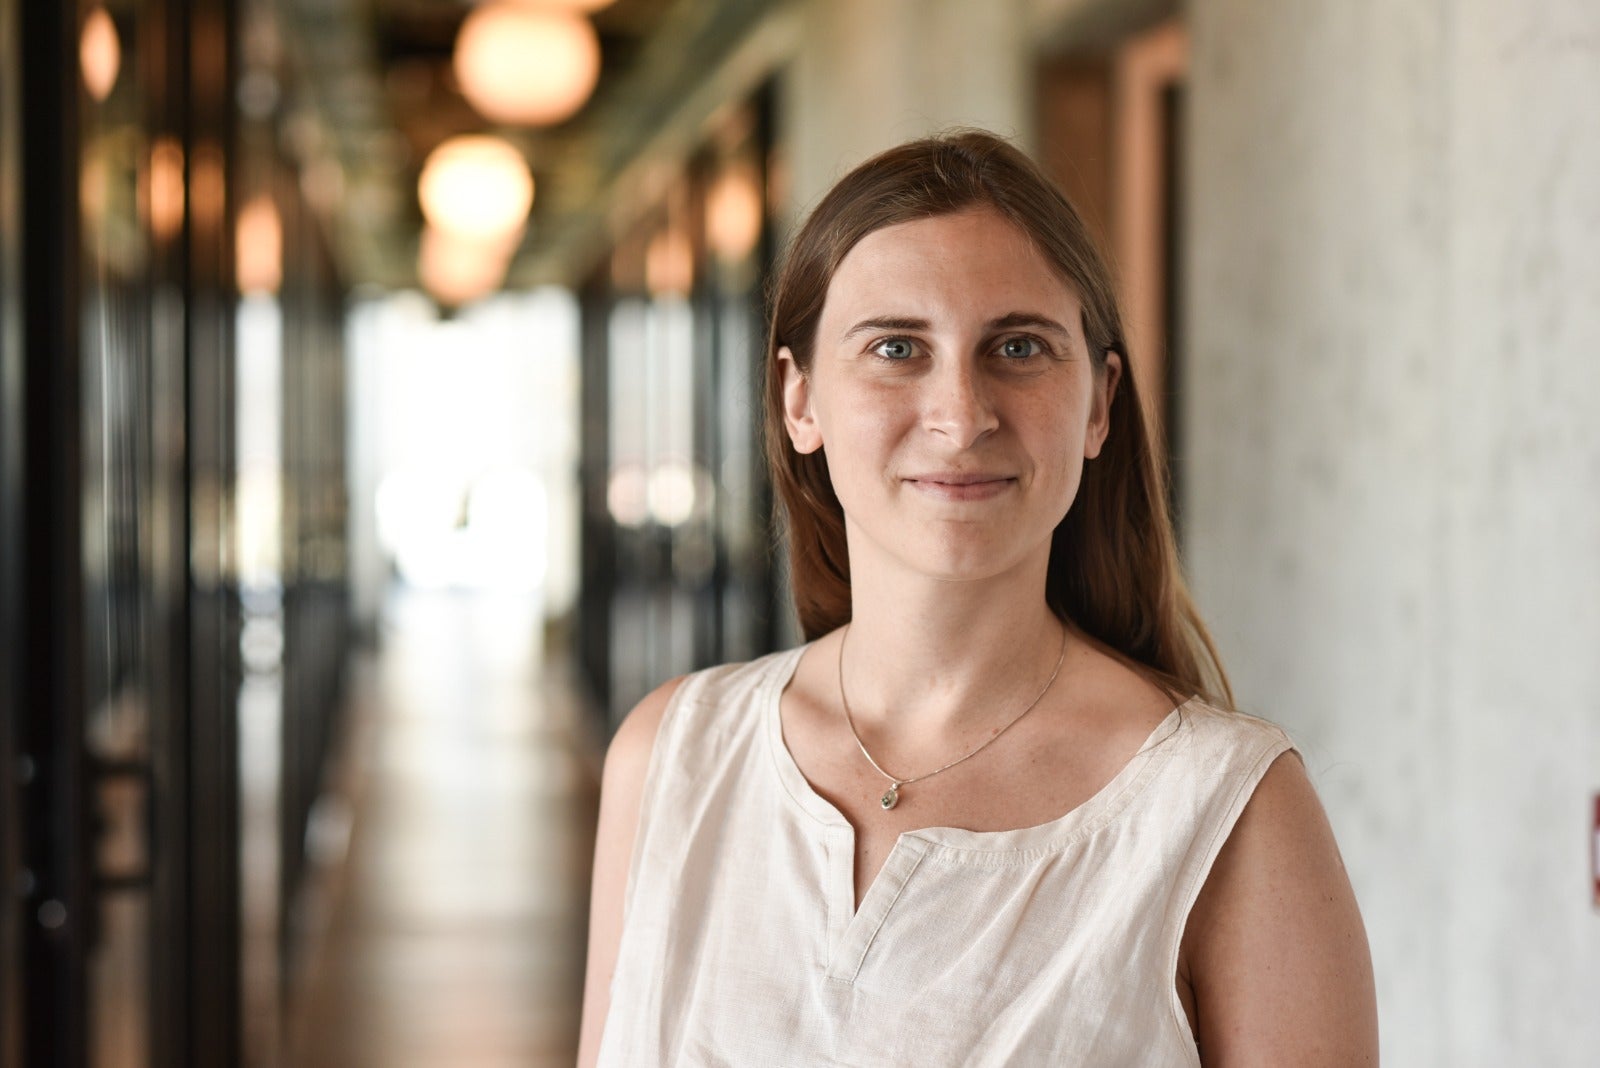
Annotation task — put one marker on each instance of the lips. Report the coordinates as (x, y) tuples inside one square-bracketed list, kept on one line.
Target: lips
[(958, 478), (962, 485)]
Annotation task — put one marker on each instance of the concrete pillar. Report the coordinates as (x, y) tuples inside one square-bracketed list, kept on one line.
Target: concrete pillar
[(869, 74), (1392, 412)]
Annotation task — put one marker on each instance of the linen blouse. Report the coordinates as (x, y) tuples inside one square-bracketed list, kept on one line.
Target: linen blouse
[(1055, 944)]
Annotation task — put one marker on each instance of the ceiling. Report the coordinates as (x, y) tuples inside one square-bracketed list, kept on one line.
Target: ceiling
[(370, 89)]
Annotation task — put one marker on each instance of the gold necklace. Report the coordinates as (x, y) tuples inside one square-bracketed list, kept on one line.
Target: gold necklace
[(891, 797)]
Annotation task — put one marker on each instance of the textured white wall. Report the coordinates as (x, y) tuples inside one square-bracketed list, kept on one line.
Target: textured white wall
[(869, 74), (1393, 474)]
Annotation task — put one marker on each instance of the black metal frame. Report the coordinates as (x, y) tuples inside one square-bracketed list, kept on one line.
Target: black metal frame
[(132, 368), (202, 1015), (169, 602), (316, 601), (57, 908), (597, 540), (11, 509), (179, 610)]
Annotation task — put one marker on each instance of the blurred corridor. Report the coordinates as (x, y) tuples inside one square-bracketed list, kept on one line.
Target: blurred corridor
[(381, 416), (455, 934)]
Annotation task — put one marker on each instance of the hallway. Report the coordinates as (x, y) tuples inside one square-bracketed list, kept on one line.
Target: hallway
[(456, 929)]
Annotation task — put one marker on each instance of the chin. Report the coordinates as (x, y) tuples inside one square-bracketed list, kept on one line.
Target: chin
[(968, 561), (948, 552)]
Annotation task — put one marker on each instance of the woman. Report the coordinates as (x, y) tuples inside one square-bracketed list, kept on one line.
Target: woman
[(992, 812)]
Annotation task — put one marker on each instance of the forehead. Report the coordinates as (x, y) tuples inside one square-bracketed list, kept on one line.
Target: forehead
[(974, 262)]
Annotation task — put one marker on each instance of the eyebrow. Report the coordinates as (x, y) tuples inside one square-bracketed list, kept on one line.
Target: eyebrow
[(1014, 320), (885, 322), (1009, 321)]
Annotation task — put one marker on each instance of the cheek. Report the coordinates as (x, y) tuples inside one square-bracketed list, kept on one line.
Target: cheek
[(857, 428), (860, 442), (1058, 444)]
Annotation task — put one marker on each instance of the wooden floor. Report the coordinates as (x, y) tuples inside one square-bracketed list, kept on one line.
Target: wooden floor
[(455, 931)]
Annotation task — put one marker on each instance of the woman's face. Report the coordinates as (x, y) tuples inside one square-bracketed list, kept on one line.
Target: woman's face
[(954, 395)]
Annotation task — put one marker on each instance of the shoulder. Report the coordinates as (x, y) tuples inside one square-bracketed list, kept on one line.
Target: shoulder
[(629, 753), (1249, 746), (1274, 949), (621, 797), (699, 700)]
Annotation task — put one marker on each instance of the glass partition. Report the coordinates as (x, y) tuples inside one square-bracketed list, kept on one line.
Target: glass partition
[(131, 191), (680, 567)]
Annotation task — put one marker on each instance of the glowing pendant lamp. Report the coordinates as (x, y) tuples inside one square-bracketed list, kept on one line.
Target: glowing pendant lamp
[(476, 186), (458, 270), (526, 65)]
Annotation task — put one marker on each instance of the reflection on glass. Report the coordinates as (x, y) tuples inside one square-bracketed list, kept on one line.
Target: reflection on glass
[(207, 185), (258, 246), (258, 554), (258, 504), (164, 188), (628, 495), (734, 211), (669, 264), (99, 53), (679, 491), (122, 490)]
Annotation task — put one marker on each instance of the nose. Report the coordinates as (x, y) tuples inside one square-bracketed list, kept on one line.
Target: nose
[(959, 405)]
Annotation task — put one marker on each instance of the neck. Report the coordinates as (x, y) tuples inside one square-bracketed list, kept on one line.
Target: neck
[(933, 658)]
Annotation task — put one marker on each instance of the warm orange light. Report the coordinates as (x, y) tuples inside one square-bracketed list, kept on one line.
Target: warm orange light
[(526, 65), (669, 264), (733, 213), (164, 189), (208, 189), (458, 270), (476, 186), (258, 247), (99, 53)]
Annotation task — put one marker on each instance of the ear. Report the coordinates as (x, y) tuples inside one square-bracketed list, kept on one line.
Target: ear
[(1100, 408), (798, 419)]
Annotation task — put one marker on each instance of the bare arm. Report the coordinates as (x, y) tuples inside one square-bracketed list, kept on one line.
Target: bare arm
[(1275, 949), (621, 789)]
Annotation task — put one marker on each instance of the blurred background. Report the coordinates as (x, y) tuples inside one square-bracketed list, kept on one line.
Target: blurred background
[(378, 422)]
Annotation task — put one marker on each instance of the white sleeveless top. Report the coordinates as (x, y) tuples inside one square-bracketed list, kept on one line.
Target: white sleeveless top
[(1050, 945)]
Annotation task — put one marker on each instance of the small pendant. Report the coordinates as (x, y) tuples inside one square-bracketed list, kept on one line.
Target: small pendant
[(890, 799)]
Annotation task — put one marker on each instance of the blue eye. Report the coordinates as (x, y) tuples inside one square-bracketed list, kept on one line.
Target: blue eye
[(1020, 348), (894, 348)]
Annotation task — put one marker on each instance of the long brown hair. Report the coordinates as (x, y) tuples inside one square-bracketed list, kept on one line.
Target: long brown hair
[(1113, 568)]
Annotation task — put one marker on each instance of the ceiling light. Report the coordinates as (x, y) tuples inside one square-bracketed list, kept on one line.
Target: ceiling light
[(99, 53), (163, 192), (669, 264), (258, 246), (457, 270), (673, 493), (526, 65), (733, 213), (477, 187)]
